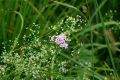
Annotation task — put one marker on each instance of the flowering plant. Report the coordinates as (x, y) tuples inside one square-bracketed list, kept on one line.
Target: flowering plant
[(60, 40)]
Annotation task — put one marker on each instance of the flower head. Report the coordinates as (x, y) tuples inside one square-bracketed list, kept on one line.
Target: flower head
[(60, 40), (61, 37), (64, 45)]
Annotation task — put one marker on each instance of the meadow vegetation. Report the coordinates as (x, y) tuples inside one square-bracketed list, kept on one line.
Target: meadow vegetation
[(59, 40)]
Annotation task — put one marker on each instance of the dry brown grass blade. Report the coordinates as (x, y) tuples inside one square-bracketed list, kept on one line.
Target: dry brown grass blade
[(112, 40)]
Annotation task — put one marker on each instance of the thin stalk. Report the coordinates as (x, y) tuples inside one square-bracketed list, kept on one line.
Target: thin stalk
[(91, 40), (96, 16), (52, 66)]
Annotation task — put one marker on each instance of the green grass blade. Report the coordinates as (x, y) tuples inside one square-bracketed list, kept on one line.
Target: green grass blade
[(22, 22)]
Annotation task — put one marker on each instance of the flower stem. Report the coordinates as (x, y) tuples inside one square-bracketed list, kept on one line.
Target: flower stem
[(52, 66)]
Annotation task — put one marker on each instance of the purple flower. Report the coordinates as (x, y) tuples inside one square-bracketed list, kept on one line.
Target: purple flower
[(60, 39), (64, 45)]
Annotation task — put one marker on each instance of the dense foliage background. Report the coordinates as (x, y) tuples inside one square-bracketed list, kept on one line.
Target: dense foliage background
[(92, 33)]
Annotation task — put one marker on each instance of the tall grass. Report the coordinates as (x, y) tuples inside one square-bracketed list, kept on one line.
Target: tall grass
[(27, 53)]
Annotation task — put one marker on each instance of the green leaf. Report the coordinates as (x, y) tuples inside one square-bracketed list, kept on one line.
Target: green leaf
[(86, 56)]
